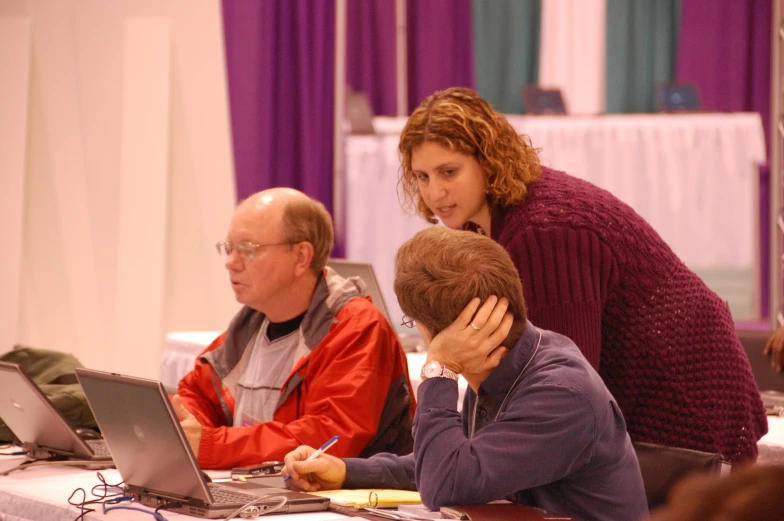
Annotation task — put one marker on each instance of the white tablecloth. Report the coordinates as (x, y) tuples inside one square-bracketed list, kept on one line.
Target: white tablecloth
[(183, 347), (692, 177), (771, 446), (180, 353), (41, 494)]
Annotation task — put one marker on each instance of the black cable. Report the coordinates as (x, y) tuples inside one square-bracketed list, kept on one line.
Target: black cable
[(106, 486), (17, 453), (81, 505), (158, 516), (100, 496), (71, 463)]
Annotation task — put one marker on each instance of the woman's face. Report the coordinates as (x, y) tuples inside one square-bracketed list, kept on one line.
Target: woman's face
[(451, 184)]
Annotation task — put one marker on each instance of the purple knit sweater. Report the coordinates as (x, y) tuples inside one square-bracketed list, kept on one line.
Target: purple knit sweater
[(665, 344)]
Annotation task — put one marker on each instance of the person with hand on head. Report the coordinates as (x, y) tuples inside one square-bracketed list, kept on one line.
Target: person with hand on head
[(538, 426), (308, 357), (592, 269), (774, 348)]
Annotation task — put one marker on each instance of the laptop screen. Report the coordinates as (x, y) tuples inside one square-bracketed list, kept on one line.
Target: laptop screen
[(363, 270), (677, 98), (33, 418), (142, 430), (154, 457)]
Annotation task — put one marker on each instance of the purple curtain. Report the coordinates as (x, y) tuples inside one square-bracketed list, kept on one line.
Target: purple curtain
[(440, 47), (370, 52), (724, 49), (280, 66)]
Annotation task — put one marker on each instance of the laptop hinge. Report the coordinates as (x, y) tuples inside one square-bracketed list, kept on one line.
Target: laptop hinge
[(150, 498)]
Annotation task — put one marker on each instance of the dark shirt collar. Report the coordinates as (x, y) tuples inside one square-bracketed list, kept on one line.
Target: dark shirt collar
[(503, 377)]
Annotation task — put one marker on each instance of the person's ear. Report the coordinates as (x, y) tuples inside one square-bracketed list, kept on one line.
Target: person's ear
[(304, 252)]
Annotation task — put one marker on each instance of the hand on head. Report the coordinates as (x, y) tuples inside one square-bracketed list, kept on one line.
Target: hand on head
[(775, 349), (752, 494), (472, 343), (323, 473), (190, 425)]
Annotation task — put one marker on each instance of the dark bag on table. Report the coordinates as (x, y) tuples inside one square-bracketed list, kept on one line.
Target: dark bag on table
[(53, 372)]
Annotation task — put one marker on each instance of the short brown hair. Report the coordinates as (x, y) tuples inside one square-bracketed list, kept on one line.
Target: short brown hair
[(307, 220), (438, 271), (461, 121)]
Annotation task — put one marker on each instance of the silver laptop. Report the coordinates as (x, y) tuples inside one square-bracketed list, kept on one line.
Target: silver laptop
[(155, 460), (40, 427), (363, 270)]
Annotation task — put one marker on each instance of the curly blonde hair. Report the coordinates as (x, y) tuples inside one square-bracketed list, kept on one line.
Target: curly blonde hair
[(458, 119)]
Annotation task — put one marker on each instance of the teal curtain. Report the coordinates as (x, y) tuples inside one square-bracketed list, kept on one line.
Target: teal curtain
[(506, 50), (642, 42)]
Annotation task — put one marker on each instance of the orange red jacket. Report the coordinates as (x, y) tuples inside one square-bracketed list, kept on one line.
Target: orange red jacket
[(351, 380)]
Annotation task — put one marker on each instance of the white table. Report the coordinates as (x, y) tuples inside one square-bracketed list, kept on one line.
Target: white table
[(771, 446), (180, 354), (183, 347), (692, 177), (41, 494)]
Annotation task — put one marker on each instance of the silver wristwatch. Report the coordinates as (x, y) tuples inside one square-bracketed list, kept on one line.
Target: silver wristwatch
[(434, 369)]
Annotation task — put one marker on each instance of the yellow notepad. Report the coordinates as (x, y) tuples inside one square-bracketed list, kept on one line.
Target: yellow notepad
[(367, 497)]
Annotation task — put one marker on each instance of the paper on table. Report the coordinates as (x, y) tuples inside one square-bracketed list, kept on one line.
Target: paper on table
[(366, 497)]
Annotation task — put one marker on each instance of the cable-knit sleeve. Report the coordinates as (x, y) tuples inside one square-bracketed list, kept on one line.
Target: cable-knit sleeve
[(567, 275)]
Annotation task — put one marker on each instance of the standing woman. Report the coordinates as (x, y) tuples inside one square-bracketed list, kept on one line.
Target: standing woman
[(593, 270)]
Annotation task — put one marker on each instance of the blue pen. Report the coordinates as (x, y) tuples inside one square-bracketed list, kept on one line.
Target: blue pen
[(321, 450)]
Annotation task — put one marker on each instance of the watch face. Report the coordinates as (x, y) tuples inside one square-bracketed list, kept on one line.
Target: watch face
[(431, 370)]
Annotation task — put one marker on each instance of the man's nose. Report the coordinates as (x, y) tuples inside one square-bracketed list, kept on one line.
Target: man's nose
[(233, 261)]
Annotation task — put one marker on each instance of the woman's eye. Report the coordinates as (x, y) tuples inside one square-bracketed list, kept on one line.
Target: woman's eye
[(449, 173), (421, 177)]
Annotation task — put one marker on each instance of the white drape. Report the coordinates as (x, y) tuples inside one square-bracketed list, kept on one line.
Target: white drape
[(572, 53)]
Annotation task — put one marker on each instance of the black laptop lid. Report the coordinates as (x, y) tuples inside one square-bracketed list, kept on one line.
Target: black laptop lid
[(539, 101), (677, 97)]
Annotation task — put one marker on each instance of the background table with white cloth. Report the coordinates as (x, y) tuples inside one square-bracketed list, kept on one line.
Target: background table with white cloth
[(693, 177)]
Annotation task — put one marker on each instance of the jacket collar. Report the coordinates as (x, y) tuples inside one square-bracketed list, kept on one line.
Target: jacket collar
[(332, 292), (504, 376)]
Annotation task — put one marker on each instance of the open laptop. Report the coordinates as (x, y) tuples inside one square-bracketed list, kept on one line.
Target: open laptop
[(677, 97), (359, 112), (40, 427), (155, 460), (363, 270), (539, 101)]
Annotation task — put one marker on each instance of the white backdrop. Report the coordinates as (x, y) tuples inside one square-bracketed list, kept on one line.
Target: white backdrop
[(692, 177), (572, 53), (117, 176)]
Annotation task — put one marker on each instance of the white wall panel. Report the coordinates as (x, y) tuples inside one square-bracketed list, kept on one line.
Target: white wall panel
[(14, 88)]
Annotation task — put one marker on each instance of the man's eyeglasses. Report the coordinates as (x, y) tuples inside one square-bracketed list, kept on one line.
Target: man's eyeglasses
[(408, 321), (246, 249)]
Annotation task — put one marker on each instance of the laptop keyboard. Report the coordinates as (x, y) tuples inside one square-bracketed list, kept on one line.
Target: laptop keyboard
[(229, 496), (99, 448)]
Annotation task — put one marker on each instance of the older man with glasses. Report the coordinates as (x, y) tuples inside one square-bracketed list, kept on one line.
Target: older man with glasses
[(308, 357)]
